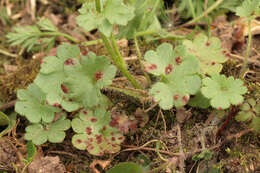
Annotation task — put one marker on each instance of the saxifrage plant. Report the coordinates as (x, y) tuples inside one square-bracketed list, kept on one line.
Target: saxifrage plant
[(75, 80)]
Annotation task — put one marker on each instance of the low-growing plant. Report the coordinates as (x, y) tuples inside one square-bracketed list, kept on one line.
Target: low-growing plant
[(250, 111), (71, 81)]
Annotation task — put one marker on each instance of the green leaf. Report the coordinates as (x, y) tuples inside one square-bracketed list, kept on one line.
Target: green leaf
[(179, 75), (252, 102), (11, 124), (117, 12), (28, 37), (94, 132), (31, 151), (248, 8), (93, 73), (126, 167), (199, 101), (245, 107), (52, 72), (4, 120), (244, 116), (88, 18), (32, 104), (52, 132), (223, 91), (255, 124), (257, 108), (208, 51), (46, 25)]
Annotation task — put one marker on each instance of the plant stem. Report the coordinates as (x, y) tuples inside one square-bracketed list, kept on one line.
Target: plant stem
[(138, 34), (213, 7), (92, 42), (58, 34), (122, 65), (139, 56), (8, 54), (98, 5), (192, 9), (109, 48), (244, 66), (115, 54)]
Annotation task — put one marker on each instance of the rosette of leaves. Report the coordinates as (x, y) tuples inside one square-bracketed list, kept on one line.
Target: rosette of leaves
[(223, 91), (250, 111), (179, 75), (52, 132), (85, 77), (32, 104), (145, 18), (208, 51), (112, 12), (94, 132), (52, 75)]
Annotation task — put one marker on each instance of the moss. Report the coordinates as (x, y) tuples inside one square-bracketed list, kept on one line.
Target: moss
[(21, 78)]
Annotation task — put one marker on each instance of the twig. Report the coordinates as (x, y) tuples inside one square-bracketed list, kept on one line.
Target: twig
[(8, 105), (134, 148), (151, 107), (164, 122), (64, 153), (182, 155), (8, 54)]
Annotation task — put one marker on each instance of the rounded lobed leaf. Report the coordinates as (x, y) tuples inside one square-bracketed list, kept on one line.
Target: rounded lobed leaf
[(93, 73), (52, 132), (52, 73), (179, 72), (208, 51), (223, 91), (94, 133), (32, 104)]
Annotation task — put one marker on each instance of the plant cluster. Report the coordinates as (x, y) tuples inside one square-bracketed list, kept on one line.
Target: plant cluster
[(70, 81)]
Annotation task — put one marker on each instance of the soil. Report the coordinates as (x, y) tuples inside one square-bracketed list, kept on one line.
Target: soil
[(234, 147)]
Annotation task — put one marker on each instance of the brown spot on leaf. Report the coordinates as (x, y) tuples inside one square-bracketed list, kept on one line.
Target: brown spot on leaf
[(90, 147), (79, 141), (207, 43), (104, 128), (176, 97), (98, 139), (98, 76), (93, 120), (113, 138), (213, 63), (113, 123), (85, 112), (88, 130), (70, 61), (56, 105), (178, 60), (64, 89), (168, 69), (150, 67)]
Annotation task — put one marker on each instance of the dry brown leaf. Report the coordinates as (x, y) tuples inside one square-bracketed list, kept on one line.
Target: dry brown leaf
[(102, 163)]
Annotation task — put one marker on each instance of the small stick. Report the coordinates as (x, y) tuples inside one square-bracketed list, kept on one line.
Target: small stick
[(182, 155)]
